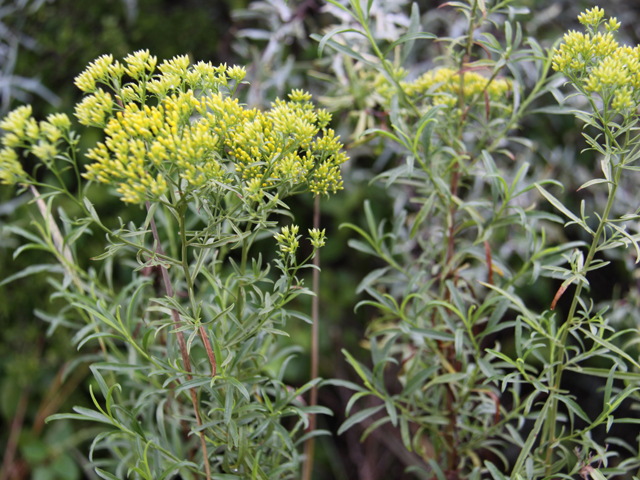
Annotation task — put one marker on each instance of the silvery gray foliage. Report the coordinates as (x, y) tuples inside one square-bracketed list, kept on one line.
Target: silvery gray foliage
[(12, 39), (273, 68)]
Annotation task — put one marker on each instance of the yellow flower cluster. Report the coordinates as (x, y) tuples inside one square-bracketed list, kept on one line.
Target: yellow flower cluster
[(24, 132), (447, 82), (146, 145), (317, 237), (598, 64), (11, 171), (95, 109), (287, 240), (192, 135), (204, 140)]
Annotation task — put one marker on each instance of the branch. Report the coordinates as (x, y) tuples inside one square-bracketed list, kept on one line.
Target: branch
[(181, 343)]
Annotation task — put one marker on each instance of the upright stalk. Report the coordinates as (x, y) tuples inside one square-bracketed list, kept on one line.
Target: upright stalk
[(558, 358), (310, 443), (182, 344), (185, 267)]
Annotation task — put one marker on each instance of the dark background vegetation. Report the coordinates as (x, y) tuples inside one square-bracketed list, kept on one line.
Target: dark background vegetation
[(70, 33)]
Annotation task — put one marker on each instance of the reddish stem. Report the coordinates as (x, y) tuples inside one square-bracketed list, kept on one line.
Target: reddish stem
[(310, 443), (182, 344)]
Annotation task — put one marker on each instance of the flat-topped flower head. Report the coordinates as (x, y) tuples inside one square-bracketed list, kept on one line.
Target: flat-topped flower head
[(197, 136), (597, 64), (288, 240), (139, 63), (317, 237), (177, 131)]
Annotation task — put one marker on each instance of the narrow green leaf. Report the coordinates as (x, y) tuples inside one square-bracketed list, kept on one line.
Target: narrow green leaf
[(557, 204), (359, 417)]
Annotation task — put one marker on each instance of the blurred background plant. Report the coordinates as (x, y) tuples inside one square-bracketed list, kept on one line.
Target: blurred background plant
[(72, 33)]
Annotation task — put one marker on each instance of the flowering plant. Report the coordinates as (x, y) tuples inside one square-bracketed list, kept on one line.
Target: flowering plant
[(187, 348)]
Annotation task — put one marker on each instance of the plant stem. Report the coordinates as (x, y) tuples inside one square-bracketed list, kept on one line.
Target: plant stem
[(310, 443), (182, 344), (185, 267), (559, 357), (14, 435)]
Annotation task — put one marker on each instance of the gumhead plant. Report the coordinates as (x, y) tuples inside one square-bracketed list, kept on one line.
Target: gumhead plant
[(184, 353), (468, 238)]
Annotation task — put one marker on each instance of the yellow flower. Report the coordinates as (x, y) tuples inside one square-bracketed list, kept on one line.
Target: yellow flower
[(598, 64), (97, 71), (177, 140), (11, 171)]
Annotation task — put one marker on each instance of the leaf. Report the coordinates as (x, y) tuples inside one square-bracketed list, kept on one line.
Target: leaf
[(106, 475), (495, 473), (533, 436), (176, 467), (554, 110), (446, 378), (312, 434), (414, 27), (595, 181), (436, 469), (384, 133), (357, 367), (391, 410), (95, 417), (609, 386), (433, 334), (342, 383), (370, 278), (118, 367), (574, 407), (32, 270), (99, 335), (425, 210), (239, 386), (409, 37), (418, 380), (610, 346), (404, 432), (333, 32), (359, 417), (343, 49), (556, 203), (342, 7)]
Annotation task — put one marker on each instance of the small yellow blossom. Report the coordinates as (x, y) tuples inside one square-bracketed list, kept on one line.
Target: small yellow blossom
[(317, 237), (447, 81), (236, 73), (96, 72), (11, 171), (44, 151), (591, 17), (596, 63), (16, 120), (287, 240)]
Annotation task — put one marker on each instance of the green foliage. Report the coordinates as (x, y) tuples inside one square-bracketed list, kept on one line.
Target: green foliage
[(445, 288)]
